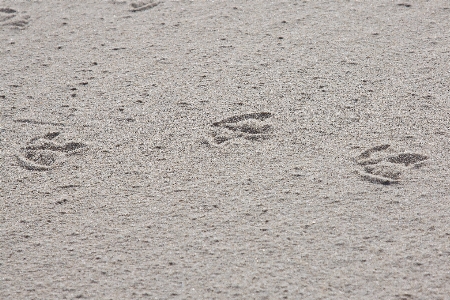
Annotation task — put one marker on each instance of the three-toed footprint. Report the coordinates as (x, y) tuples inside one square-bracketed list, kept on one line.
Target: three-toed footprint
[(43, 153), (381, 165), (252, 127), (12, 18)]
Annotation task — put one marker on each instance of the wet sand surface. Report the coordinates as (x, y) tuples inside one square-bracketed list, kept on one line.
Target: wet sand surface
[(225, 149)]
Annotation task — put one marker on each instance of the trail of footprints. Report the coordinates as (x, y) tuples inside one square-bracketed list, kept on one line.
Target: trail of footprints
[(44, 153), (380, 165), (251, 127), (12, 18)]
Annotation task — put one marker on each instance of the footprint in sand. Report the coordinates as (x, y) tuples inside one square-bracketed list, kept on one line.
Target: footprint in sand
[(143, 5), (137, 6), (381, 165), (43, 153), (250, 127), (12, 18)]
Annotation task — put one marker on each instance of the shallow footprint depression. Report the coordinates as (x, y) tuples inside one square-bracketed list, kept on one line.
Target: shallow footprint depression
[(252, 127), (382, 167)]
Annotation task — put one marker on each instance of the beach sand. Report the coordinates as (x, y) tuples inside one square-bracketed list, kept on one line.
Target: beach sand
[(225, 149)]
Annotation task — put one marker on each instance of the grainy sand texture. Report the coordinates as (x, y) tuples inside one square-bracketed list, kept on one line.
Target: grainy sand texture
[(225, 149)]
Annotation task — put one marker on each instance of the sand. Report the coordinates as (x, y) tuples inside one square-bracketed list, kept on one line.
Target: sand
[(225, 149)]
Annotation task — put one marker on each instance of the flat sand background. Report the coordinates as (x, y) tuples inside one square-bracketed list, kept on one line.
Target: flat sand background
[(225, 149)]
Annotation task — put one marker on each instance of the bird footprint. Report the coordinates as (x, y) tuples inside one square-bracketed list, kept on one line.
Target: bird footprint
[(250, 127), (43, 153), (385, 167), (12, 18)]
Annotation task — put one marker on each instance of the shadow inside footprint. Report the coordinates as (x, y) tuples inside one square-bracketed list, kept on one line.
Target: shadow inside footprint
[(249, 126), (386, 171), (72, 147), (7, 10), (42, 157), (368, 153), (51, 135), (261, 116), (221, 139), (407, 158)]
